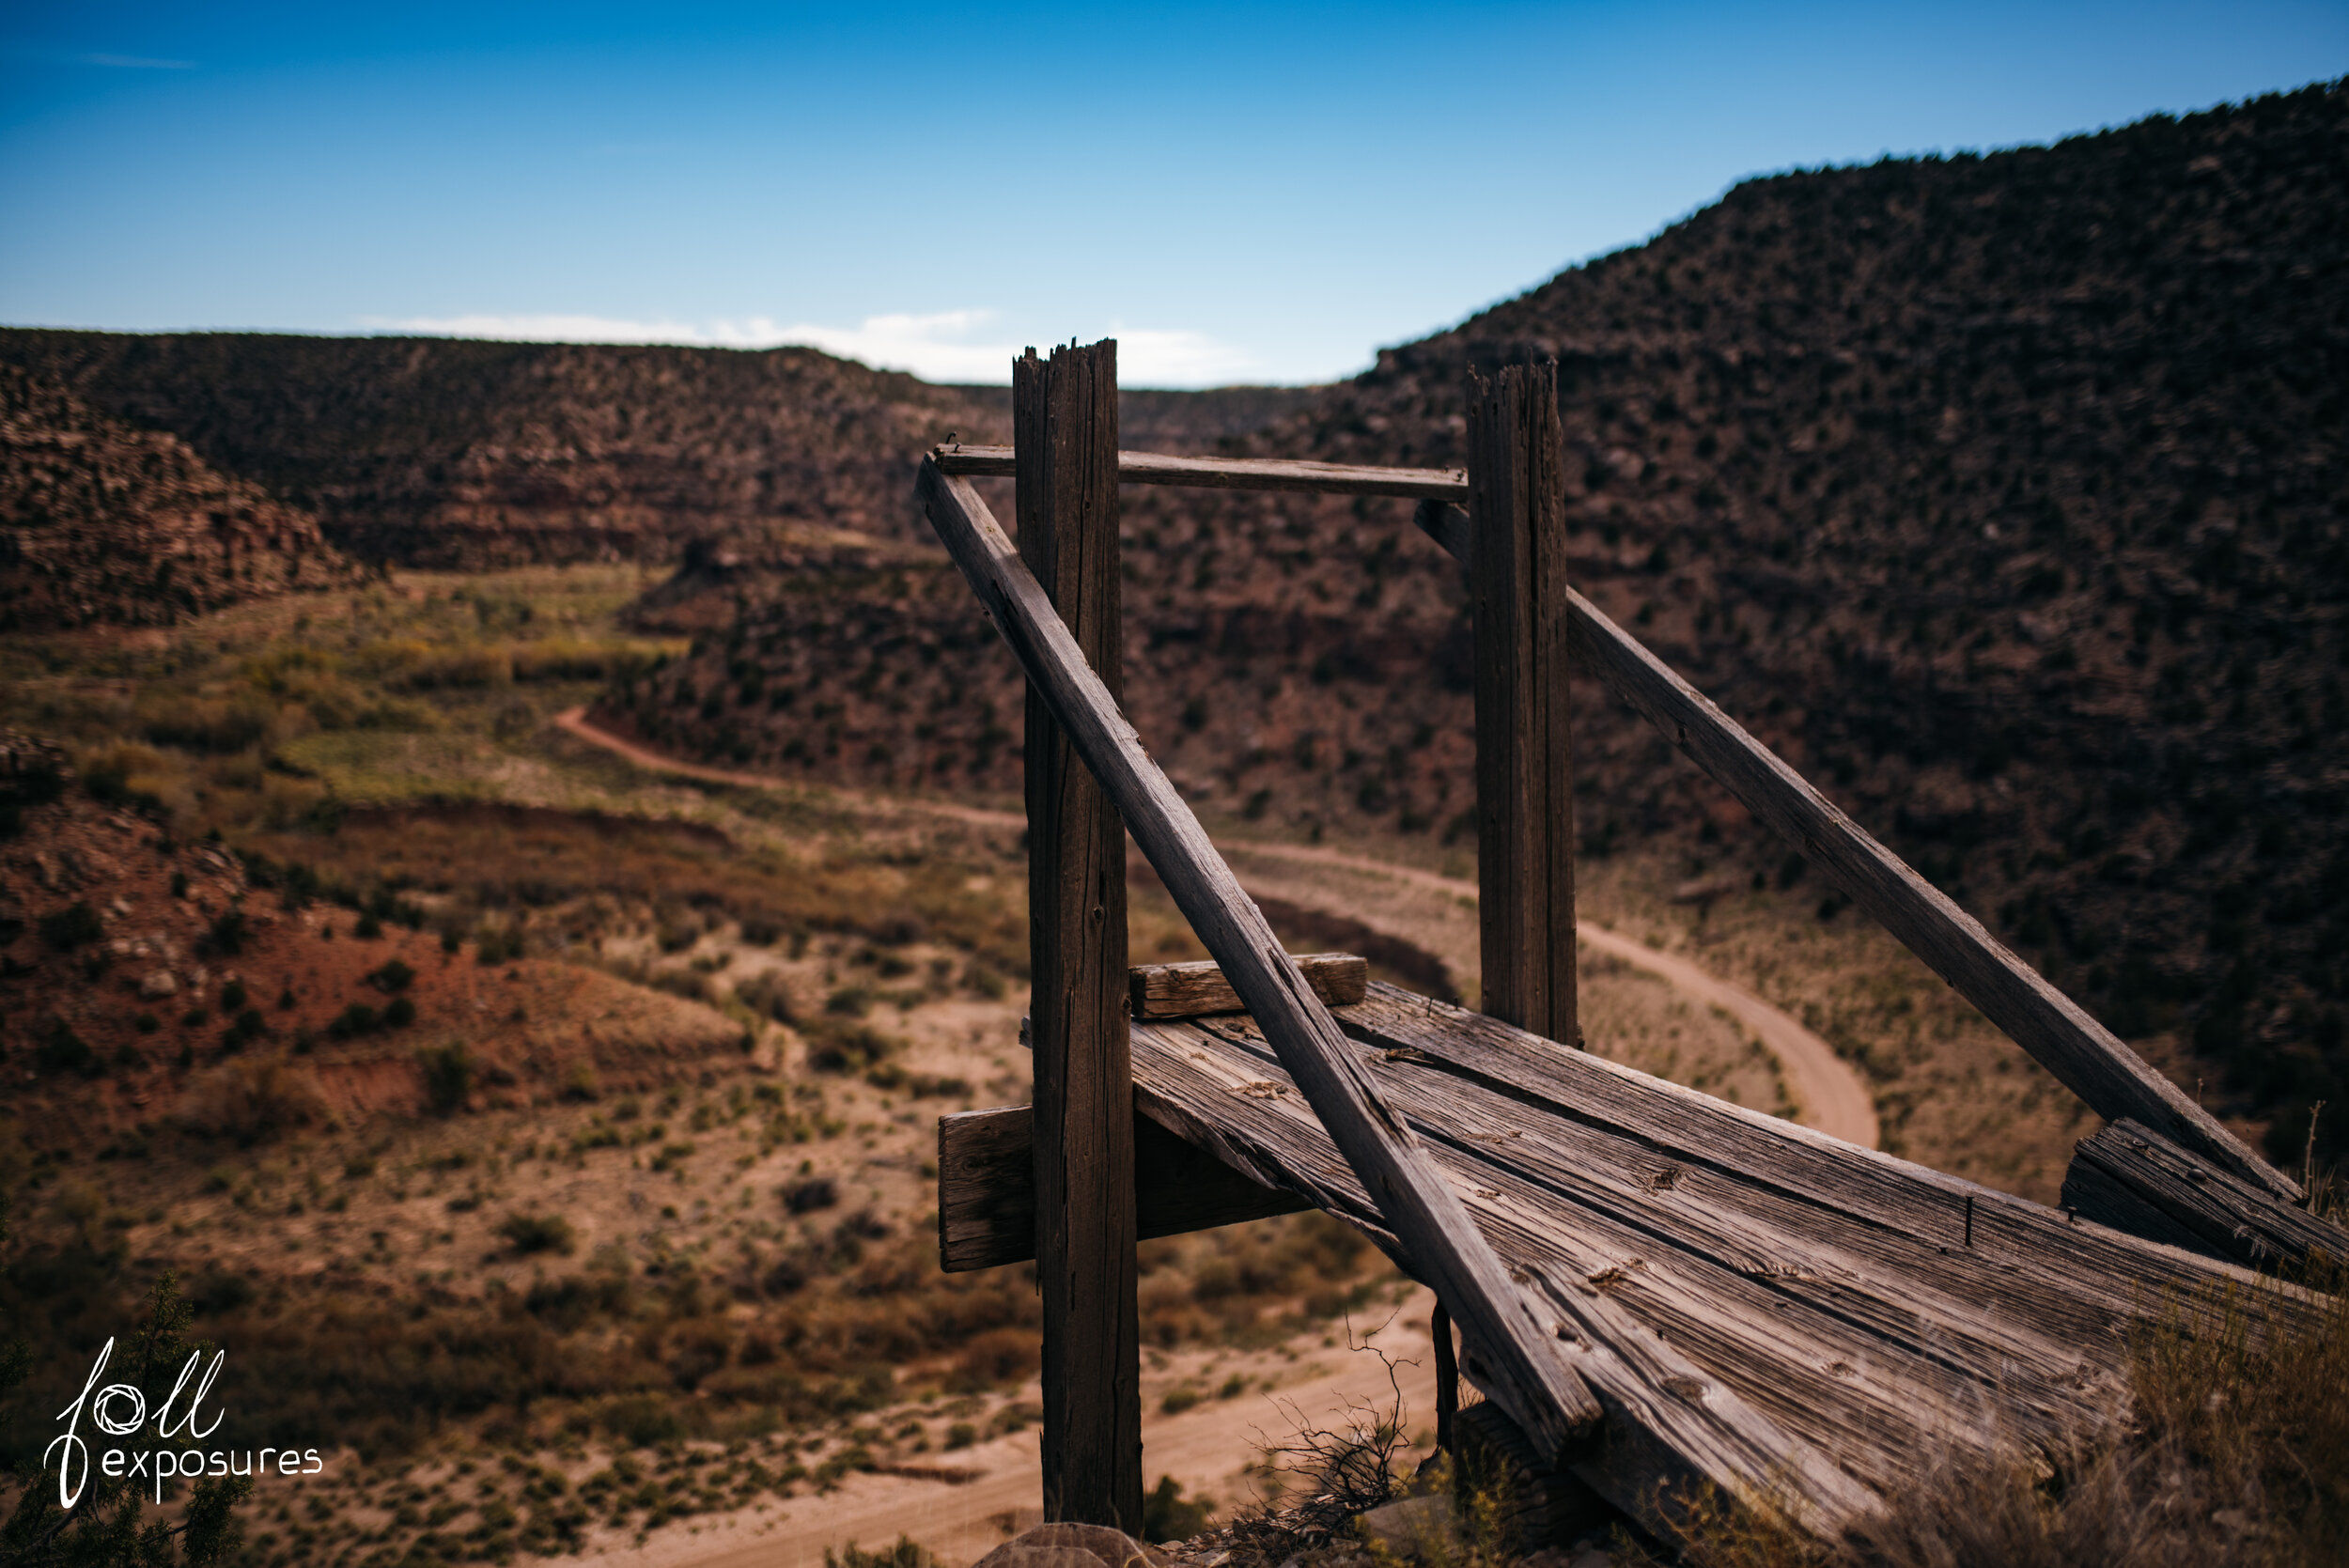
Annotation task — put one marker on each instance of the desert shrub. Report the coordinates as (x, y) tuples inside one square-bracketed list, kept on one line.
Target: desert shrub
[(106, 1528), (226, 933), (575, 1300), (579, 1083), (449, 1074), (905, 1554), (72, 927), (391, 977), (539, 1233), (809, 1194), (355, 1021), (399, 1013), (62, 1050), (1168, 1515), (232, 996), (251, 1099), (837, 1046), (769, 995), (643, 1420)]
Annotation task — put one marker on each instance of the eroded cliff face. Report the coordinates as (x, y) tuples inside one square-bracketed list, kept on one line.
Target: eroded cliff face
[(2002, 495), (102, 524)]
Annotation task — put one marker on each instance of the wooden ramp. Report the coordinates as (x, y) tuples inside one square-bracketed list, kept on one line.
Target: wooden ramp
[(1878, 1311)]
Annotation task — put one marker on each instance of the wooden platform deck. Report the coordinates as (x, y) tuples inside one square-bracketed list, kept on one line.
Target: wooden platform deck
[(1882, 1313), (1661, 1291)]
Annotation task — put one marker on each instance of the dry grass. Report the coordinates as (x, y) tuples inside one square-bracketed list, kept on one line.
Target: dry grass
[(2238, 1457)]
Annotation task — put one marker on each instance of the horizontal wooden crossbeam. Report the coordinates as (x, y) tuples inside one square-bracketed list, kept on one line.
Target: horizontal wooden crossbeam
[(2084, 1056), (1194, 990), (1233, 474), (987, 1187)]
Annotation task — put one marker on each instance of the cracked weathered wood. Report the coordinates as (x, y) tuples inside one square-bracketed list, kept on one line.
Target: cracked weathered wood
[(1830, 1286), (2085, 1057), (1233, 473), (2135, 1180), (1524, 745), (1064, 418), (1188, 990), (987, 1187), (1534, 1376)]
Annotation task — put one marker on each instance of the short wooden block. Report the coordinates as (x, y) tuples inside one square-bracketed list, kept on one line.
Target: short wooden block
[(987, 1187), (2133, 1179), (1193, 990)]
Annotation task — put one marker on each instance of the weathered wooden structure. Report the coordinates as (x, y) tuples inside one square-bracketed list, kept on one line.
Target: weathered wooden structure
[(1658, 1288)]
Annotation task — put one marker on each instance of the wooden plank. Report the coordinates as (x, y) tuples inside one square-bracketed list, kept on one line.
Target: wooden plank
[(1886, 1215), (1671, 1423), (2133, 1179), (1188, 990), (1831, 1287), (1065, 420), (1232, 474), (1524, 748), (2084, 1056), (1534, 1376), (987, 1187)]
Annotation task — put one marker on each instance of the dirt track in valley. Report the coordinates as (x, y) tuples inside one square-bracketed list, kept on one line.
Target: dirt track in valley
[(1830, 1097)]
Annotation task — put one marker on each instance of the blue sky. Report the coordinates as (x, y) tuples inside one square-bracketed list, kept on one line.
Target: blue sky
[(1241, 192)]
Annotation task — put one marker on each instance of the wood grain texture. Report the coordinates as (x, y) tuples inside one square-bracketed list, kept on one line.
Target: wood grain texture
[(1064, 422), (2084, 1056), (1188, 990), (1524, 746), (2135, 1180), (1532, 1376), (1232, 474), (987, 1187), (1828, 1286)]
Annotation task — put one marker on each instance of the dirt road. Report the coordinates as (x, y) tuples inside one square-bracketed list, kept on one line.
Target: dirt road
[(1831, 1095), (1828, 1094)]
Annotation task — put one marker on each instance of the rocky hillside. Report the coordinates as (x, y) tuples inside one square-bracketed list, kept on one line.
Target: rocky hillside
[(2005, 495), (442, 453), (431, 452), (102, 524)]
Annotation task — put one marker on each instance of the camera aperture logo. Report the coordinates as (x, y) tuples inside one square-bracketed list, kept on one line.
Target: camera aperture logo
[(121, 1410)]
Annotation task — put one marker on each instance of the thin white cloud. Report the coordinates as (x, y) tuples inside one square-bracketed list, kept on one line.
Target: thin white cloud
[(943, 345), (133, 62)]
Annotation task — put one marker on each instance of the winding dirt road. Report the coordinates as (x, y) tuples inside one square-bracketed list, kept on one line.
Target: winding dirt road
[(1828, 1095)]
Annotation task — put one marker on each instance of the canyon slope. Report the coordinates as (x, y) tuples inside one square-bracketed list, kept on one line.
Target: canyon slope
[(103, 524), (2003, 494)]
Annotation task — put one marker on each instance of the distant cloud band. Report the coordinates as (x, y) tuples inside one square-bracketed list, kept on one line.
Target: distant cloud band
[(941, 347)]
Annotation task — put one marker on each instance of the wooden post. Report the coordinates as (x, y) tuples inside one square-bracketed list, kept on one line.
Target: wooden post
[(1524, 774), (1064, 426), (1525, 1338)]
